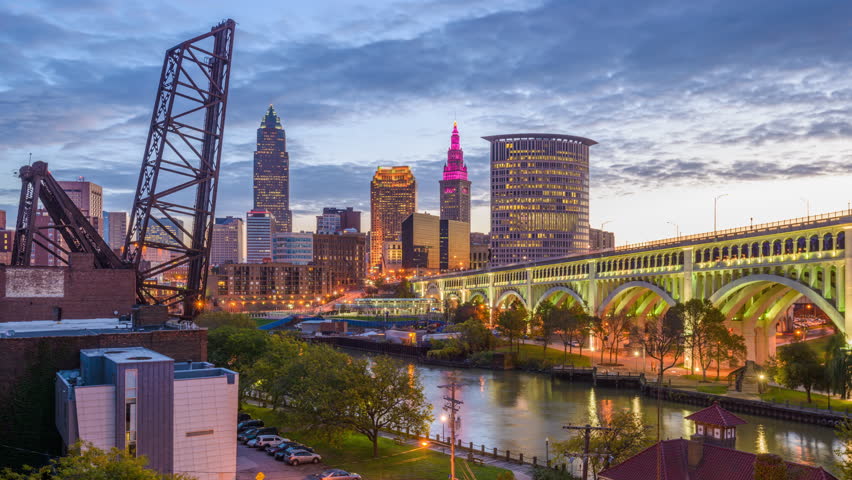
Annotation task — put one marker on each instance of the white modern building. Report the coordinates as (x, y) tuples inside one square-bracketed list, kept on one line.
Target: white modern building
[(228, 244), (258, 236), (293, 247), (181, 416)]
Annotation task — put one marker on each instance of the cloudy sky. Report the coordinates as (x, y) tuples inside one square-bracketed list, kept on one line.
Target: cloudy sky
[(688, 100)]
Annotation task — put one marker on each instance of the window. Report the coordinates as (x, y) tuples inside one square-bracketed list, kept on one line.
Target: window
[(130, 421), (716, 433)]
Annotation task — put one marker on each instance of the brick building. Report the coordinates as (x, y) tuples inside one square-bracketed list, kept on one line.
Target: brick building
[(344, 256), (274, 283)]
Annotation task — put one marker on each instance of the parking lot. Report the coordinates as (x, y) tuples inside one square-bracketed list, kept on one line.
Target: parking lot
[(250, 461)]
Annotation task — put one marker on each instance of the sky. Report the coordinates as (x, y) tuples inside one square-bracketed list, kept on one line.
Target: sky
[(688, 100)]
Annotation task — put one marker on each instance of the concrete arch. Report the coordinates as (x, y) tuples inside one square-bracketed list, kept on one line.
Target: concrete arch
[(433, 290), (621, 289), (481, 295), (723, 293), (576, 296), (509, 293)]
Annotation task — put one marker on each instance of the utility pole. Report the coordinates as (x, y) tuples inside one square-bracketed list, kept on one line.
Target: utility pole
[(452, 406), (587, 433)]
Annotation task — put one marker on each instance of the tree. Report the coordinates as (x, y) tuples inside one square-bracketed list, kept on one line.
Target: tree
[(403, 289), (615, 328), (768, 466), (627, 437), (567, 324), (84, 461), (725, 346), (544, 320), (512, 322), (214, 320), (237, 349), (701, 321), (844, 453), (472, 309), (837, 366), (664, 338), (386, 395), (799, 366)]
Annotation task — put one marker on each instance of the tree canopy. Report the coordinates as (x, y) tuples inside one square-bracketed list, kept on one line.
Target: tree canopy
[(799, 366)]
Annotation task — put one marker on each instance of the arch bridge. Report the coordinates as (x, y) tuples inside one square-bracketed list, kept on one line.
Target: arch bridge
[(753, 274)]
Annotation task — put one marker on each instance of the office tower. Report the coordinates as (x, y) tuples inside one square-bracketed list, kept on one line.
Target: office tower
[(391, 256), (228, 244), (258, 236), (539, 196), (455, 245), (455, 187), (272, 172), (343, 256), (393, 197), (421, 242), (165, 232), (293, 247), (88, 197), (115, 227), (2, 219), (335, 220), (601, 239), (480, 250), (6, 239)]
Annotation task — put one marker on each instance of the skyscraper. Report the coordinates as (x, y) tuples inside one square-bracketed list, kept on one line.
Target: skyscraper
[(272, 172), (228, 244), (539, 196), (455, 187), (170, 234), (115, 225), (258, 236), (393, 197), (421, 242), (88, 197)]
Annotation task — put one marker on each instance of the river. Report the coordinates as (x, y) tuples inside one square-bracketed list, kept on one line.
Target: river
[(517, 410)]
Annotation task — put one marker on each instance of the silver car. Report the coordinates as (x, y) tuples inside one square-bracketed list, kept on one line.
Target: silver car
[(334, 474), (302, 456)]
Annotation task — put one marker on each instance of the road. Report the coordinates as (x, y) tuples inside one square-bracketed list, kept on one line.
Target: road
[(251, 461)]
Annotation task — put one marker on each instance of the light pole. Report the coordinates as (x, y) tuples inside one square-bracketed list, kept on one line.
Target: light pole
[(807, 206), (715, 202), (547, 451), (603, 224), (677, 228), (443, 434)]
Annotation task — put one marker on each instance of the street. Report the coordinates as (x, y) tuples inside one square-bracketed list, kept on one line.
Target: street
[(251, 461)]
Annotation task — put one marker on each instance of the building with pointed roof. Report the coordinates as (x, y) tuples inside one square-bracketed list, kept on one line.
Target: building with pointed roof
[(272, 172), (709, 455), (455, 187)]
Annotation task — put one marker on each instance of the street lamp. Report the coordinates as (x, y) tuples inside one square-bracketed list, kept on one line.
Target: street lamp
[(443, 423), (604, 224), (807, 206), (715, 202), (547, 451), (677, 228)]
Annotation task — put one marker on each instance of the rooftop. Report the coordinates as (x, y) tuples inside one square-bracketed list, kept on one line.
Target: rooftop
[(126, 354), (716, 415), (65, 328), (540, 136)]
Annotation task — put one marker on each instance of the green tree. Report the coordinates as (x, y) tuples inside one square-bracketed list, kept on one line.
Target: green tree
[(403, 289), (544, 321), (768, 466), (664, 338), (725, 346), (214, 320), (798, 366), (237, 349), (627, 436), (838, 368), (701, 321), (844, 453), (511, 323), (567, 324), (474, 336), (84, 461), (615, 328)]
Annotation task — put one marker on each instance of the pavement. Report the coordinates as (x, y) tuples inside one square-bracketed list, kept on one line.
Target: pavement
[(251, 461)]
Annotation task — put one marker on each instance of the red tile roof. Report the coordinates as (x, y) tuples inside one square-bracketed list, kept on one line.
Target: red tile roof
[(716, 415), (716, 463)]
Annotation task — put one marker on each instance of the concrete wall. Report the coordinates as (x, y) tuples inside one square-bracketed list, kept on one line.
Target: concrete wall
[(205, 414), (95, 409)]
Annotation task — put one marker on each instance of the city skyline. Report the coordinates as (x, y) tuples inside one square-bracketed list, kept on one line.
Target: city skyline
[(680, 117)]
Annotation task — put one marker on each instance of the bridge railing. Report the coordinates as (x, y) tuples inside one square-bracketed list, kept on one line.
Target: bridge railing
[(729, 232)]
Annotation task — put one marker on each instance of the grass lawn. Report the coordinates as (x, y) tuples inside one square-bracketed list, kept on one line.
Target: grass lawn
[(263, 321), (797, 398), (818, 345), (714, 389), (534, 352), (396, 462)]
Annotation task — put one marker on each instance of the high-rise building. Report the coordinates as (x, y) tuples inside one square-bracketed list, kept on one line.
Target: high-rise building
[(539, 196), (272, 172), (391, 255), (115, 227), (480, 250), (601, 239), (228, 244), (455, 245), (258, 236), (88, 197), (335, 220), (169, 234), (343, 256), (455, 187), (293, 247), (2, 219), (393, 197), (421, 242), (6, 239)]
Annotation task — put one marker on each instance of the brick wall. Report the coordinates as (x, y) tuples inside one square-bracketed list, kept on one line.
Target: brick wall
[(80, 291)]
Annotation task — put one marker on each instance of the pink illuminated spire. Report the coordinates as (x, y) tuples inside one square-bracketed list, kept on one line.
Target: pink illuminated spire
[(455, 168)]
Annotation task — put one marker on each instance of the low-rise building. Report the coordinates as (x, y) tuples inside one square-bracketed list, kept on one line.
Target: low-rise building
[(181, 416)]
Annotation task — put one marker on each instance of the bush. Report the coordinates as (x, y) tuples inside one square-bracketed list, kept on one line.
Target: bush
[(534, 363), (449, 351), (540, 473), (482, 359)]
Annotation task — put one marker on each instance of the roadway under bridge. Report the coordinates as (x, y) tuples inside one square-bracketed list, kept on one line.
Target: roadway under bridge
[(753, 274)]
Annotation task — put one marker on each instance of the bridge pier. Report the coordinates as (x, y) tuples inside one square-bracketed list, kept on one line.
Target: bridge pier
[(848, 282)]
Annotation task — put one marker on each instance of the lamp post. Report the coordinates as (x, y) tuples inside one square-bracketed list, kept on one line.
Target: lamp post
[(677, 228), (807, 206), (715, 202), (443, 434), (547, 451), (603, 224)]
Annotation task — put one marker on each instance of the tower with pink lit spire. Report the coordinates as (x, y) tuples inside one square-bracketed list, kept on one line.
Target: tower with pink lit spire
[(455, 187)]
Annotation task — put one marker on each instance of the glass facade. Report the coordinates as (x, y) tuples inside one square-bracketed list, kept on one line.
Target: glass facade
[(393, 197), (272, 172), (258, 236), (421, 242), (539, 197), (295, 248)]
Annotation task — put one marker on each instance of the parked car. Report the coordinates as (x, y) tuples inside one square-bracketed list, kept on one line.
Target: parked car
[(270, 449), (242, 417), (269, 440), (246, 424), (242, 435), (283, 453), (297, 457), (258, 432), (334, 474), (252, 443)]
